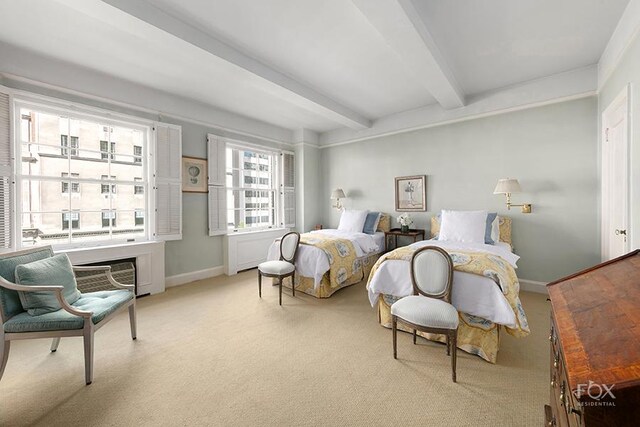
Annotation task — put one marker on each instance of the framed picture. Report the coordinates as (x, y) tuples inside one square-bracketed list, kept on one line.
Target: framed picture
[(194, 175), (411, 193)]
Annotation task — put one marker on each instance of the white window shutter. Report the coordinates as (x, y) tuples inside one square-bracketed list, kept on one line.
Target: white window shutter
[(217, 155), (6, 176), (217, 211), (288, 191), (168, 182), (216, 148)]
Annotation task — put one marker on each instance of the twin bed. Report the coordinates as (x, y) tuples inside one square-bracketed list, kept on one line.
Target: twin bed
[(485, 288)]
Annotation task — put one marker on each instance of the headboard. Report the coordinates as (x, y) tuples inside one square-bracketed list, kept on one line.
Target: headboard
[(385, 222), (504, 223)]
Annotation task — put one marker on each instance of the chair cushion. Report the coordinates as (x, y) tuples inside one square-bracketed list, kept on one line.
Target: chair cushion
[(423, 311), (9, 299), (56, 270), (101, 304), (276, 267)]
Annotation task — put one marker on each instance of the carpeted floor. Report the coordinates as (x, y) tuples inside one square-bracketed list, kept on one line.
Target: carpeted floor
[(213, 353)]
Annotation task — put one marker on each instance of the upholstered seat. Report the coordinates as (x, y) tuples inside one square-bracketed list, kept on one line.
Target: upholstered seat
[(423, 311), (429, 309), (101, 304), (276, 267), (284, 267)]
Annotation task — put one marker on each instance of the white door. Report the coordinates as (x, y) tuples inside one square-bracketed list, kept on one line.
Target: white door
[(615, 177)]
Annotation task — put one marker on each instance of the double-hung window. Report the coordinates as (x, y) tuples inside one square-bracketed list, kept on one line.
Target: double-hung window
[(60, 152), (256, 195)]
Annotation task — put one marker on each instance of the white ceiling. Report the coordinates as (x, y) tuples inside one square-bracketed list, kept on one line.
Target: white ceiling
[(329, 49)]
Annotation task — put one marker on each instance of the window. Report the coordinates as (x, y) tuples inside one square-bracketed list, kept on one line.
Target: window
[(252, 181), (137, 153), (88, 217), (75, 186), (64, 145), (139, 218), (71, 217), (107, 188), (138, 189), (108, 218), (106, 148)]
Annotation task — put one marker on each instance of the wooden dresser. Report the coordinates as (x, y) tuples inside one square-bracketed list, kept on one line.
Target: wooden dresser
[(595, 346)]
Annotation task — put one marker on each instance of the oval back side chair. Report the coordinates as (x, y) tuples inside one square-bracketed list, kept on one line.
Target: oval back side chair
[(284, 267)]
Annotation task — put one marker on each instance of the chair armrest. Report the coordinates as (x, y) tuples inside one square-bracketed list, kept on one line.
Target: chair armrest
[(57, 289), (106, 269)]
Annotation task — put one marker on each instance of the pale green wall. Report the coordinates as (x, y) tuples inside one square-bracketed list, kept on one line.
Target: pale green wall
[(628, 71), (551, 150)]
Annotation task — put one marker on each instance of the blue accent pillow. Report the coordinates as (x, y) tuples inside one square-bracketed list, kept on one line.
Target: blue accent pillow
[(371, 223), (491, 216), (56, 270)]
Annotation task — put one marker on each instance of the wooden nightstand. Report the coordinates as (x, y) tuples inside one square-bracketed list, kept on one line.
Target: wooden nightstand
[(395, 232)]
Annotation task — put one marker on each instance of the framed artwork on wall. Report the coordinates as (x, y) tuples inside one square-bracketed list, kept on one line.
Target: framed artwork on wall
[(411, 193), (194, 175)]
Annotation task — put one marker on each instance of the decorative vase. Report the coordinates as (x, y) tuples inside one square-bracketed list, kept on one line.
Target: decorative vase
[(404, 228)]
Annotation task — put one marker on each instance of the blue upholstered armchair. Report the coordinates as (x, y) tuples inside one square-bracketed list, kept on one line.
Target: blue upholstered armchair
[(39, 298)]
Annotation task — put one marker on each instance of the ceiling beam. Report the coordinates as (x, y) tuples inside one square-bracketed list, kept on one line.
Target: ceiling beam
[(282, 85), (405, 32)]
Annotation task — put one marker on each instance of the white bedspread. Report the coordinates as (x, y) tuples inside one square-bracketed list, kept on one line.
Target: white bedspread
[(313, 262), (470, 293)]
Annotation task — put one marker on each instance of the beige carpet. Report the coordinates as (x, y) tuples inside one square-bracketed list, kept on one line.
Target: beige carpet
[(213, 353)]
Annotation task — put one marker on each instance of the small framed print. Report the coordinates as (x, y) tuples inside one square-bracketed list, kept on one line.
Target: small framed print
[(194, 175), (411, 193)]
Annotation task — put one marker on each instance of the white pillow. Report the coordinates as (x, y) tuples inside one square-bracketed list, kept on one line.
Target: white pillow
[(463, 226), (352, 220)]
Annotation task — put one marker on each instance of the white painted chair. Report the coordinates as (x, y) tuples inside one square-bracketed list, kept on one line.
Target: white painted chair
[(429, 309), (284, 267), (82, 318)]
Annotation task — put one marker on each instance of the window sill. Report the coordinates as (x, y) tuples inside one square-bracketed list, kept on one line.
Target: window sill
[(253, 232)]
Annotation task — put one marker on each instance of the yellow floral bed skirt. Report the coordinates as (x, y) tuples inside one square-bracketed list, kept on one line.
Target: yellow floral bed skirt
[(475, 335), (325, 289)]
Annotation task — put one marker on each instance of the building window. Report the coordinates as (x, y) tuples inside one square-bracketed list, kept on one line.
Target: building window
[(75, 186), (137, 154), (71, 217), (138, 189), (64, 145), (139, 218), (107, 188), (45, 218), (108, 218), (107, 150)]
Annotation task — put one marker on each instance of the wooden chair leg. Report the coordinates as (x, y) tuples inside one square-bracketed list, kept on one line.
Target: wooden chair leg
[(54, 344), (88, 354), (132, 321), (414, 337), (454, 346), (259, 284), (280, 288), (394, 328), (448, 344), (4, 353), (293, 283)]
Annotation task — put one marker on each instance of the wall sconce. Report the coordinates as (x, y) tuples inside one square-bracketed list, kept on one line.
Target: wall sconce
[(338, 194), (508, 186)]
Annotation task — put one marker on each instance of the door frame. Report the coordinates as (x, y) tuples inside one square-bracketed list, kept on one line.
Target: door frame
[(623, 98)]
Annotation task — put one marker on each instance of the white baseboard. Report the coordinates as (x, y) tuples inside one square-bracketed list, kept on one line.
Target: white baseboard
[(533, 286), (192, 276)]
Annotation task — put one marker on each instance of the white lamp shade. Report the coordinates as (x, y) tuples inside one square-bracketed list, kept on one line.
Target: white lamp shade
[(338, 194), (507, 185)]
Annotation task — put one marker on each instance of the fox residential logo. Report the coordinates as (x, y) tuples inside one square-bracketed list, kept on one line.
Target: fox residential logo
[(601, 394)]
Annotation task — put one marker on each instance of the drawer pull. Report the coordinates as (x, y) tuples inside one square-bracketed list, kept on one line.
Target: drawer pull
[(552, 422), (556, 361), (562, 393), (553, 381)]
